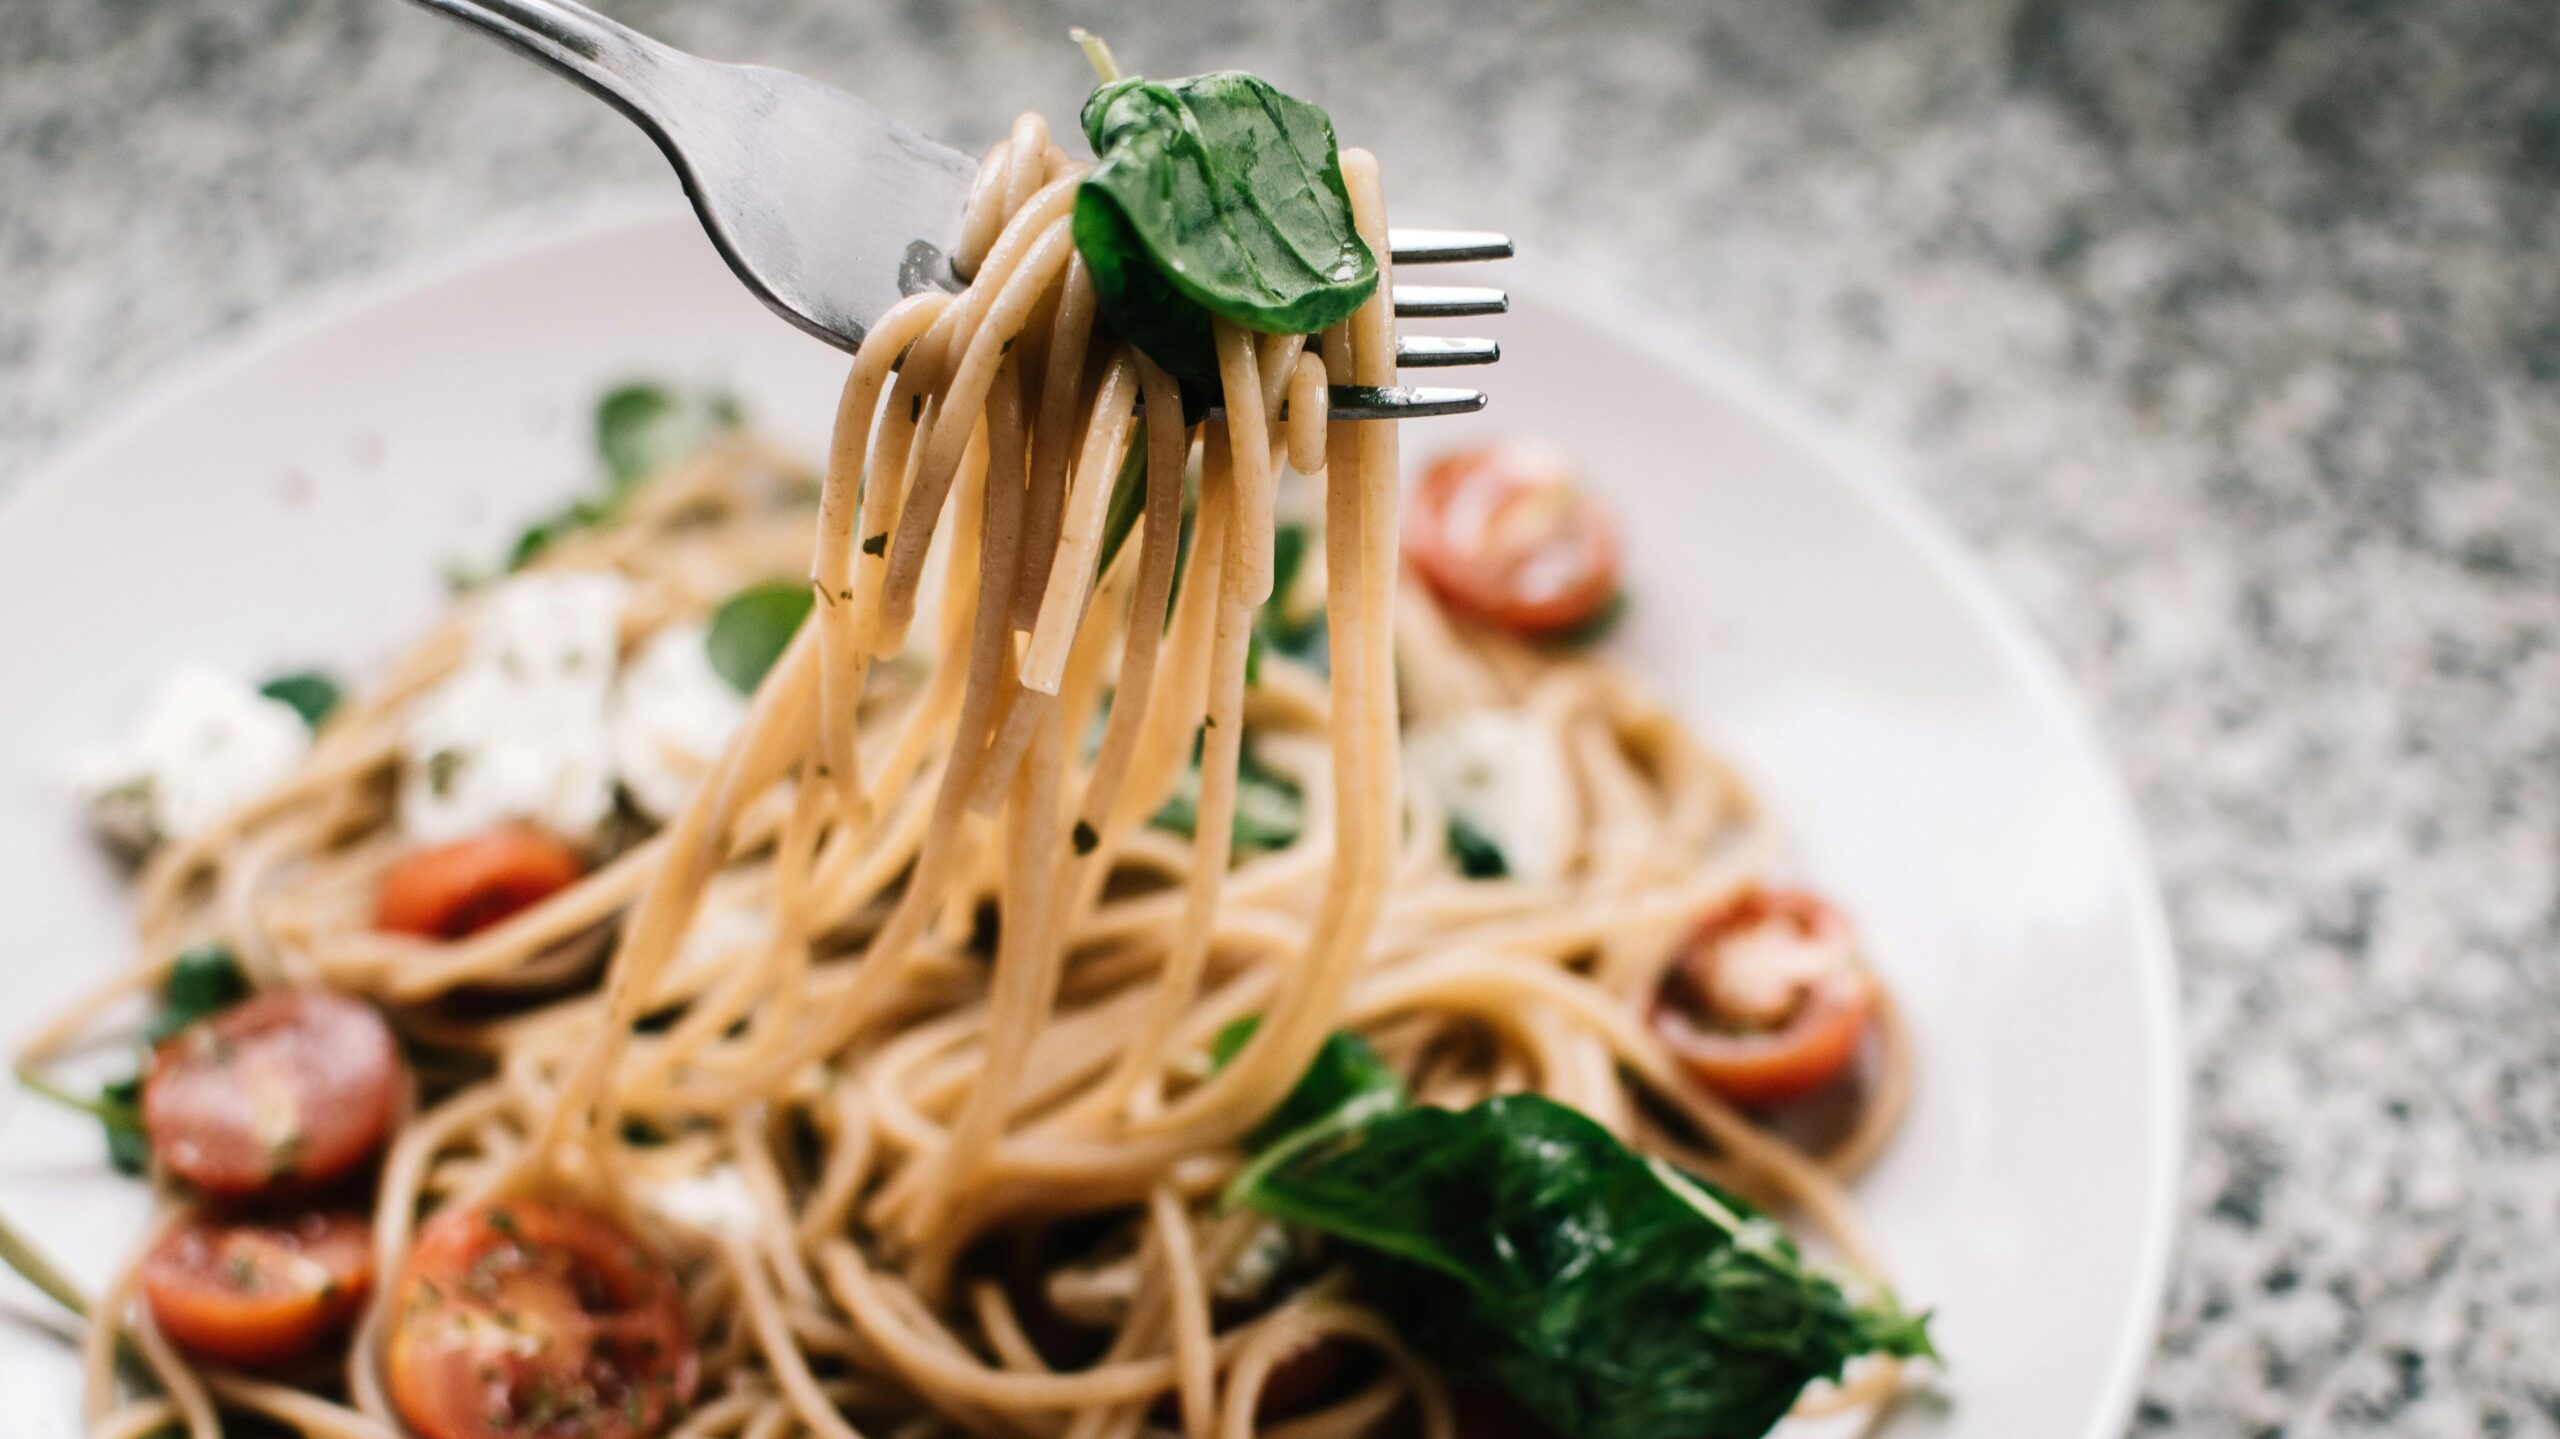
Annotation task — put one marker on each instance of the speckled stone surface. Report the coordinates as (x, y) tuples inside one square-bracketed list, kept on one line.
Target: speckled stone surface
[(2227, 330)]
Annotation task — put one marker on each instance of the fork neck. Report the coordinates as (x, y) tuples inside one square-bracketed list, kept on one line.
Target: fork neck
[(623, 67)]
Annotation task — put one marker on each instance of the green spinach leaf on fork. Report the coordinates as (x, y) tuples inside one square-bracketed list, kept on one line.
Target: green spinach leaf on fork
[(1218, 195)]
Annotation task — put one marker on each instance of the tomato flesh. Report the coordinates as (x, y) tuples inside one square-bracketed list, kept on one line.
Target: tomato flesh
[(259, 1293), (1767, 1004), (1506, 532), (459, 889), (286, 1089), (525, 1318)]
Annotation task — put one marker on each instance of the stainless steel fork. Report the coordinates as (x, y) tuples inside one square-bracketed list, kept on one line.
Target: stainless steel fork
[(831, 210)]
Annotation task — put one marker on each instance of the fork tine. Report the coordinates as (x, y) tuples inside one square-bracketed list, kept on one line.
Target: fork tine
[(1446, 247), (1429, 352), (1400, 402), (1449, 301)]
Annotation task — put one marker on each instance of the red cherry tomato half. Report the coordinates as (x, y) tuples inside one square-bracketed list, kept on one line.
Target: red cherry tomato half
[(283, 1090), (1767, 1003), (1508, 533), (531, 1317), (461, 888), (259, 1292)]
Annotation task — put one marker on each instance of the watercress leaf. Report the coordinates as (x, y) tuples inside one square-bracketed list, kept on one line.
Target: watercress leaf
[(1522, 1245), (1345, 1084), (642, 427), (202, 981), (311, 693), (1477, 855), (753, 627), (1219, 195)]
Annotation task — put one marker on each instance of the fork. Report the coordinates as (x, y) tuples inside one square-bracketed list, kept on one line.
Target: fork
[(832, 210)]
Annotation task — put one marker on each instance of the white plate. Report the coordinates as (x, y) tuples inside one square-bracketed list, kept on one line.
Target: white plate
[(296, 498)]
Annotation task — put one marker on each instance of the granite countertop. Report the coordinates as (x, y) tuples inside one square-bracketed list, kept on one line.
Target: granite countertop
[(2228, 332)]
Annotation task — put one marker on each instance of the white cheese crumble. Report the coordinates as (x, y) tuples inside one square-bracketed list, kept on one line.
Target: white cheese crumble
[(521, 730), (672, 715), (715, 1201), (205, 745), (1505, 776)]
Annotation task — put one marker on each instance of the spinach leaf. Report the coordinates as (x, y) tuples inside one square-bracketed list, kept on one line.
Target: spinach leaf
[(120, 1114), (1270, 811), (642, 427), (1346, 1084), (753, 627), (312, 694), (1520, 1244), (1276, 628), (1219, 195), (1128, 499), (1477, 855), (203, 981)]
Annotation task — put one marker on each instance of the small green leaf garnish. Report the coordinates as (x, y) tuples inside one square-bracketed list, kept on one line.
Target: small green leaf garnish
[(753, 627), (311, 693), (1085, 838)]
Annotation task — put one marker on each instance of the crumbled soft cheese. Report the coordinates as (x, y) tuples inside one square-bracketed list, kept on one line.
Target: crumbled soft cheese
[(1506, 777), (205, 745), (715, 1201), (672, 715), (521, 730)]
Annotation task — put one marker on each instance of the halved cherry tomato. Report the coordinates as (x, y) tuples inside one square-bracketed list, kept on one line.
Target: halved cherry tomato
[(1507, 533), (259, 1292), (532, 1317), (286, 1089), (459, 888), (1767, 1003)]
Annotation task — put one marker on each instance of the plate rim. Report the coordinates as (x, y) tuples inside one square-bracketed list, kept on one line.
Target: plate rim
[(1695, 355)]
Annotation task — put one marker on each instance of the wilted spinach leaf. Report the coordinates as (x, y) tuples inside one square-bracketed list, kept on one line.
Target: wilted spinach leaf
[(642, 427), (1347, 1083), (1220, 195), (311, 693), (203, 981), (753, 627), (1520, 1244), (1269, 809)]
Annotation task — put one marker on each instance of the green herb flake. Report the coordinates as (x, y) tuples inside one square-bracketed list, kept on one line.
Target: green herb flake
[(1477, 856), (877, 544), (753, 627), (1085, 839), (310, 693)]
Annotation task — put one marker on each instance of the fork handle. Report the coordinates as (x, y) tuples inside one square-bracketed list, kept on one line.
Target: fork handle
[(623, 67)]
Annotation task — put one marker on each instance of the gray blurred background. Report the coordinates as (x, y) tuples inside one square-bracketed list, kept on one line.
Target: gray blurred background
[(2227, 330)]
